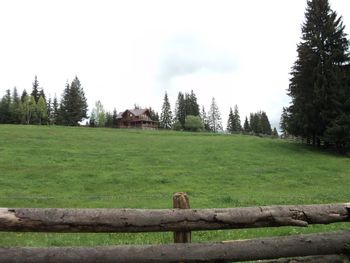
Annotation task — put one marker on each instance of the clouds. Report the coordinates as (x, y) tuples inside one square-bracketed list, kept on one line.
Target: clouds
[(186, 55), (127, 52)]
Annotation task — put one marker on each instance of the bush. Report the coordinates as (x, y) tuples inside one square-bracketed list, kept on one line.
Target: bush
[(193, 123)]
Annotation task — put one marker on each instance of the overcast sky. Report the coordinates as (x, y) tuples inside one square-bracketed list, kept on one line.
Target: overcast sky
[(127, 52)]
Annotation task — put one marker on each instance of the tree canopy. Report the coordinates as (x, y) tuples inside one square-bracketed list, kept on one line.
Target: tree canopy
[(318, 87)]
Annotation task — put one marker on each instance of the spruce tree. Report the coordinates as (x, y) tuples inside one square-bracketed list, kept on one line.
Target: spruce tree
[(254, 123), (55, 111), (316, 75), (49, 111), (205, 119), (246, 126), (64, 107), (15, 110), (5, 108), (265, 123), (214, 117), (154, 115), (24, 94), (284, 121), (230, 122), (192, 107), (109, 120), (114, 117), (42, 94), (180, 109), (166, 115), (73, 107), (237, 127), (35, 89)]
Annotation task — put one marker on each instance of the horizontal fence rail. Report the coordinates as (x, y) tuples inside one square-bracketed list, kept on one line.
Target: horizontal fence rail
[(142, 220), (311, 259), (243, 250)]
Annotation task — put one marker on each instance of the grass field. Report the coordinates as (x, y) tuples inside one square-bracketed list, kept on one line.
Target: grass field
[(85, 168)]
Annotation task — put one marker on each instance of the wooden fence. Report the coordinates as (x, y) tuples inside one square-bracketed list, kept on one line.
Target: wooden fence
[(324, 247)]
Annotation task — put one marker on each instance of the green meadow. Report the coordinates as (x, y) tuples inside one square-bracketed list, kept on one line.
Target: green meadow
[(75, 167)]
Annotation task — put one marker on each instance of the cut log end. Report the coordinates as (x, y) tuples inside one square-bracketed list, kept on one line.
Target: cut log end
[(8, 215)]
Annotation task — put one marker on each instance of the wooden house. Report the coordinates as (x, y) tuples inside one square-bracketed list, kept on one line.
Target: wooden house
[(137, 118)]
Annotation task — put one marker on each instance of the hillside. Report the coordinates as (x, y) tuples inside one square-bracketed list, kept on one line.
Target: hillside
[(84, 167)]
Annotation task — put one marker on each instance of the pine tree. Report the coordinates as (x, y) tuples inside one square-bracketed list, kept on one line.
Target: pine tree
[(316, 75), (254, 123), (237, 127), (265, 123), (24, 94), (49, 111), (154, 115), (55, 111), (339, 130), (42, 94), (35, 89), (246, 126), (15, 110), (166, 115), (205, 119), (192, 107), (114, 117), (64, 107), (73, 107), (5, 108), (230, 122), (109, 120), (284, 121), (81, 106), (180, 109), (214, 117), (259, 123)]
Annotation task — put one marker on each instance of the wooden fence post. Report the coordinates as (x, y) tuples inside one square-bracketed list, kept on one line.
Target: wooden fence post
[(181, 201)]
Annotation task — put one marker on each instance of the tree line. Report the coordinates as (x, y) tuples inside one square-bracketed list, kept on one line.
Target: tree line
[(35, 108), (188, 116), (320, 81)]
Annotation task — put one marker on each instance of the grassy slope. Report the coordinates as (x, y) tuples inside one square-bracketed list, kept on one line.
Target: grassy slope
[(81, 167)]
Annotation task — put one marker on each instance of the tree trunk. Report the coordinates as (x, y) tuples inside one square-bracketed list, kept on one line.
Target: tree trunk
[(240, 250)]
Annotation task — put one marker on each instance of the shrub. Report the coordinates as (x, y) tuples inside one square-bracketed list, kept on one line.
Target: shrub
[(193, 123)]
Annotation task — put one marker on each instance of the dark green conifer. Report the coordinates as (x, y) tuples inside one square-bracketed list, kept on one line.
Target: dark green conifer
[(166, 118), (35, 89), (316, 84), (246, 126)]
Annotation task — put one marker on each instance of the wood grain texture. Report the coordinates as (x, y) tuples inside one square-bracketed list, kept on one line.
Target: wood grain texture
[(244, 250), (161, 220)]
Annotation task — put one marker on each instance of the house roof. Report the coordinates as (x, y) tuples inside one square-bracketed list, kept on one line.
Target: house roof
[(136, 112)]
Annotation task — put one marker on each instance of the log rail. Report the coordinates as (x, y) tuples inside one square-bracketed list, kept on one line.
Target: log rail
[(162, 220), (232, 251), (324, 247)]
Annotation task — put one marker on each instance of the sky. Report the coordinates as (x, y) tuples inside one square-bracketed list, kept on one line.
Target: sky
[(132, 52)]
